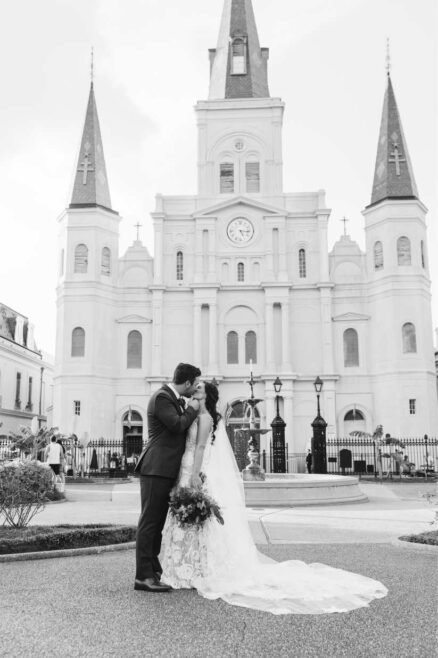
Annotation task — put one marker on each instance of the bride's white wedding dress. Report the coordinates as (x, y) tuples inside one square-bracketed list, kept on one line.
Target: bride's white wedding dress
[(223, 562)]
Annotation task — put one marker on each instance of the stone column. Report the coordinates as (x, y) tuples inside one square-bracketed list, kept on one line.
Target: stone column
[(158, 252), (157, 333), (285, 330), (197, 354), (327, 330), (269, 335), (199, 255), (323, 245), (213, 361)]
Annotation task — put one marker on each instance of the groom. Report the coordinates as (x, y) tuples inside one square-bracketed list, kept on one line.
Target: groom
[(158, 467)]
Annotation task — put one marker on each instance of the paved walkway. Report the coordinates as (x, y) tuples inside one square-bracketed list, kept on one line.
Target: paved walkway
[(86, 606)]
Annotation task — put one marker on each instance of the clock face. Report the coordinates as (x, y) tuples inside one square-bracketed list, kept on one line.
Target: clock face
[(240, 230)]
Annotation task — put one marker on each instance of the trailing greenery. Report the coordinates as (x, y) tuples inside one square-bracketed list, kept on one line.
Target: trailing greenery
[(430, 537), (24, 487), (52, 538)]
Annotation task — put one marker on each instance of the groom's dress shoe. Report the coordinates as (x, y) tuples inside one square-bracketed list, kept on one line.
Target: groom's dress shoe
[(151, 585)]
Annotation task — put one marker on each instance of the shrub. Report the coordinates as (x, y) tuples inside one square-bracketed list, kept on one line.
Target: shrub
[(23, 491)]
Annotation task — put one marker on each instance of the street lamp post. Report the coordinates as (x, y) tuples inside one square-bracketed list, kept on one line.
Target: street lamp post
[(319, 453), (278, 442)]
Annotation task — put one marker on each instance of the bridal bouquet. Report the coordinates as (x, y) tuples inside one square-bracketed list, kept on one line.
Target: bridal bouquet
[(192, 507)]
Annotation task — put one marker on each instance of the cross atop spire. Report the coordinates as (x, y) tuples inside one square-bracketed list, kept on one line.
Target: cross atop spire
[(238, 64), (90, 187), (393, 177)]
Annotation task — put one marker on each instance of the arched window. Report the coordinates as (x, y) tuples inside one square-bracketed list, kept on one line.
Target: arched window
[(351, 348), (354, 414), (409, 338), (238, 56), (250, 347), (423, 256), (378, 255), (106, 261), (252, 173), (179, 266), (226, 178), (240, 272), (403, 251), (134, 349), (81, 259), (302, 263), (78, 342), (232, 347)]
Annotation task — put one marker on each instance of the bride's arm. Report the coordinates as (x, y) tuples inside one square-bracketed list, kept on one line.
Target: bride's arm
[(204, 428)]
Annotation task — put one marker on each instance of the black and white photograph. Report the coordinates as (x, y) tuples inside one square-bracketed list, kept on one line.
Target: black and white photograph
[(218, 328)]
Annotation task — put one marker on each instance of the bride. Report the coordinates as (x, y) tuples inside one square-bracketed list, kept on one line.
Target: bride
[(222, 561)]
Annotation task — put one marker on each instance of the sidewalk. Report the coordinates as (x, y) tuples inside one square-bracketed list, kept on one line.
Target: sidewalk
[(391, 511)]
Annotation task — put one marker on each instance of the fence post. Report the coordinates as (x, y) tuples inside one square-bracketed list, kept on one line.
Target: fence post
[(427, 458)]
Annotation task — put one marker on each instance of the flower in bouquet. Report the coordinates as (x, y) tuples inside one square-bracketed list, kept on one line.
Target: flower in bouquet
[(193, 507)]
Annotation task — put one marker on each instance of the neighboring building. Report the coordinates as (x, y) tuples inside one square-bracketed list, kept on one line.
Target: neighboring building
[(242, 272), (26, 375)]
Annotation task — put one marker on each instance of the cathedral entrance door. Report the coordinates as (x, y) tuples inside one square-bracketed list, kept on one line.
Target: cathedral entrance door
[(237, 418), (132, 438)]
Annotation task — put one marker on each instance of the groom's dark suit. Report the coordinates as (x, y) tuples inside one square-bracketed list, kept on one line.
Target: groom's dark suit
[(158, 467)]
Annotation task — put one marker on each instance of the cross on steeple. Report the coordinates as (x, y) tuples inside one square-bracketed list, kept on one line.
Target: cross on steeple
[(345, 220), (396, 157), (86, 167), (138, 226)]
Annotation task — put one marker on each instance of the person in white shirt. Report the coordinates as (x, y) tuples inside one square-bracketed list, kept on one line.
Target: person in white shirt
[(54, 455)]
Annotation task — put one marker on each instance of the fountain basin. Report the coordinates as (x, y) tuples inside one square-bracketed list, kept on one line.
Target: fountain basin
[(300, 489)]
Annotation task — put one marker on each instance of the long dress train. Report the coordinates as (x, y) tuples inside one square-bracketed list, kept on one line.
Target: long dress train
[(223, 561)]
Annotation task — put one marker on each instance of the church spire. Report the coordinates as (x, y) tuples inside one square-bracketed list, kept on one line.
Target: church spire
[(238, 64), (393, 176), (90, 187)]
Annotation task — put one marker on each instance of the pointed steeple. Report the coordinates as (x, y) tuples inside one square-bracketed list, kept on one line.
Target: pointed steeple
[(393, 176), (90, 187), (238, 65)]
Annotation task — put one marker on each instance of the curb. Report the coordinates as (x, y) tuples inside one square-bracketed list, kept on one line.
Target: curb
[(400, 543), (66, 552)]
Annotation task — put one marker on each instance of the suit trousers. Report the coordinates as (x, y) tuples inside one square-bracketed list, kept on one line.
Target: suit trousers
[(155, 492)]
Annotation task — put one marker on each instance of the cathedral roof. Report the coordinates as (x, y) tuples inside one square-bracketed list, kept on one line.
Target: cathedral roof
[(238, 64), (393, 176), (90, 187)]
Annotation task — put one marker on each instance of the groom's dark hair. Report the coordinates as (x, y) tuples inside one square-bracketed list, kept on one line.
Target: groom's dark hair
[(185, 372)]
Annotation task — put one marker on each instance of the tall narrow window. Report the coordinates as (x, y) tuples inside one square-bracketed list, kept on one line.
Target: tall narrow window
[(412, 407), (232, 347), (240, 272), (409, 338), (403, 251), (77, 407), (78, 342), (227, 178), (29, 404), (106, 261), (17, 391), (134, 352), (252, 170), (179, 266), (378, 255), (81, 259), (238, 56), (302, 263), (423, 257), (351, 348), (250, 347)]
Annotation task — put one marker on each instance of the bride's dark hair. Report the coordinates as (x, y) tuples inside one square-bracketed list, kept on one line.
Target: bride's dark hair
[(211, 399)]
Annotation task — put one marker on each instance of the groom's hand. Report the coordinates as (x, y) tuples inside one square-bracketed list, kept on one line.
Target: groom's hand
[(194, 403)]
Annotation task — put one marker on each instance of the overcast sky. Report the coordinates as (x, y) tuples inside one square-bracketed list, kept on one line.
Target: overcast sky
[(327, 62)]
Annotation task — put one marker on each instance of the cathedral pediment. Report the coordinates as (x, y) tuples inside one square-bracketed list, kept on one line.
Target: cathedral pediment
[(350, 317), (133, 319), (235, 202)]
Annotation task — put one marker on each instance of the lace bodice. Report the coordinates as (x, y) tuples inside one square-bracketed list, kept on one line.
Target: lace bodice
[(188, 459)]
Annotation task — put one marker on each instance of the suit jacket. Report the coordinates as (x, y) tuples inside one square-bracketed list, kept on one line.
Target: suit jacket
[(167, 429)]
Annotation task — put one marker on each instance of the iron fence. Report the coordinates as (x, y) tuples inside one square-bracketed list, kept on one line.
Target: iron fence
[(295, 461), (403, 457)]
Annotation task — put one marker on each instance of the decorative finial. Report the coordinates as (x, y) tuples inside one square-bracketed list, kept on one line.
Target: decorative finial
[(345, 220), (92, 65), (388, 58), (138, 226)]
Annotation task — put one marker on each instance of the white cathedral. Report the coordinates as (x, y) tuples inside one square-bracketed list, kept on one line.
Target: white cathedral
[(242, 274)]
